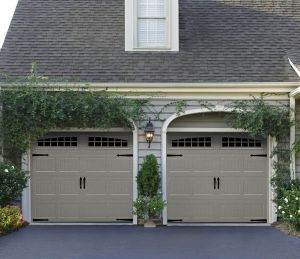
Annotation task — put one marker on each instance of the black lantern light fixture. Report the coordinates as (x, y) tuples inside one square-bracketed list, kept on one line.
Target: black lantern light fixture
[(149, 132)]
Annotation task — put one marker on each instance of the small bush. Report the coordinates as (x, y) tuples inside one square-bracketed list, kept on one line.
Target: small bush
[(12, 183), (10, 219), (148, 179), (146, 207), (289, 206)]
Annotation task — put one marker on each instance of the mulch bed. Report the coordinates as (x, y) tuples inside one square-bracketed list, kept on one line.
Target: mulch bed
[(286, 228)]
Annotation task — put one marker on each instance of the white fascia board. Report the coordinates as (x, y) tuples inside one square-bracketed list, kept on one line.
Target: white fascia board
[(156, 86)]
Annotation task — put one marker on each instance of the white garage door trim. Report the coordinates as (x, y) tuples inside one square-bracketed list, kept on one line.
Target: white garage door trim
[(26, 162), (271, 143)]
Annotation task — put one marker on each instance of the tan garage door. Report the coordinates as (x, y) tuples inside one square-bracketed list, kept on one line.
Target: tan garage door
[(216, 178), (82, 178)]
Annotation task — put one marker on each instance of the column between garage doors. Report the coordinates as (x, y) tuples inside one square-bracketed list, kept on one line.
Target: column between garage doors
[(271, 215)]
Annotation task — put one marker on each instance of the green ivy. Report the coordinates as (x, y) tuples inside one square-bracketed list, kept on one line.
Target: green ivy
[(33, 107), (260, 118)]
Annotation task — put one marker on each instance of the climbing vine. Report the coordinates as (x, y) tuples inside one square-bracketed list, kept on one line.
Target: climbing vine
[(31, 108)]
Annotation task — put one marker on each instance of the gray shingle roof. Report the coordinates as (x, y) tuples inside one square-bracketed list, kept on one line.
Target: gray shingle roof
[(220, 41)]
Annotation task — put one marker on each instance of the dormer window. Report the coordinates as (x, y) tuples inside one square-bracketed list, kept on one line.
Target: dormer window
[(151, 25)]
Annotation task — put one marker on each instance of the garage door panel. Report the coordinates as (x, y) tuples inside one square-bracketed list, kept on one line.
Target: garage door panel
[(255, 164), (229, 163), (42, 165), (231, 186), (44, 186), (44, 209), (116, 164), (255, 186), (189, 186), (229, 209), (95, 164), (68, 210), (119, 187), (189, 210), (255, 210), (68, 186), (68, 164)]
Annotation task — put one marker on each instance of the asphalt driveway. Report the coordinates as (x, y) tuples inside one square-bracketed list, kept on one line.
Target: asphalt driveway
[(84, 242)]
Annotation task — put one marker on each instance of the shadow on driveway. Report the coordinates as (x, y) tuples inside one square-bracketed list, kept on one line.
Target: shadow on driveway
[(85, 242)]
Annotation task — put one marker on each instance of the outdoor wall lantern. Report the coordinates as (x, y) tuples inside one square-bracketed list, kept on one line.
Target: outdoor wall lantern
[(149, 132)]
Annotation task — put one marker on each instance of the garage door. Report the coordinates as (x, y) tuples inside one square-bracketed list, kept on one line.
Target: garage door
[(82, 178), (216, 178)]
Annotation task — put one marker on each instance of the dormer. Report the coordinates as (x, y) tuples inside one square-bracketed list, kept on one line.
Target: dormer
[(151, 25)]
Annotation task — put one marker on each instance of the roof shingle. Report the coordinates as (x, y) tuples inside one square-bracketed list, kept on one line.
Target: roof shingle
[(220, 41)]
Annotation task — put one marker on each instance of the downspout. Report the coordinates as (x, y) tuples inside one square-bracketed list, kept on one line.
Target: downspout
[(293, 94)]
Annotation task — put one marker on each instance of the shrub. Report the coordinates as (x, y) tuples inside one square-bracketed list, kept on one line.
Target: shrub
[(155, 206), (148, 179), (146, 207), (10, 219), (289, 206), (12, 183), (140, 207)]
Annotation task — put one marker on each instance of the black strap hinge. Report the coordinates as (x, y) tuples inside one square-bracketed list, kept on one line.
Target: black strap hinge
[(40, 220), (260, 155), (173, 155), (124, 219), (40, 154), (125, 155)]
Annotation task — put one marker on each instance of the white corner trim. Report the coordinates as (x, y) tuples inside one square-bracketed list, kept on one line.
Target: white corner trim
[(292, 137), (26, 195), (135, 166), (219, 108)]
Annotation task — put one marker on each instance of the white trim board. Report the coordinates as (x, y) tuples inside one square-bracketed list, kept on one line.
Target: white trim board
[(167, 85), (220, 108)]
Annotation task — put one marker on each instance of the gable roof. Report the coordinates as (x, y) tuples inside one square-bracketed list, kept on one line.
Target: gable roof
[(220, 41)]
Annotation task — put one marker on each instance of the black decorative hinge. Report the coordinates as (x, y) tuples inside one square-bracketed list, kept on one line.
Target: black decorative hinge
[(171, 155), (259, 220), (129, 220), (40, 220), (260, 155), (175, 220), (125, 155), (40, 154)]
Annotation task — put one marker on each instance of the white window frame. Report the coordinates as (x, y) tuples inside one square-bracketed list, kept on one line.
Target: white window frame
[(172, 23)]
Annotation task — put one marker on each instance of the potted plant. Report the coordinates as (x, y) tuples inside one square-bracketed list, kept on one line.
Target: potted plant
[(149, 204)]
